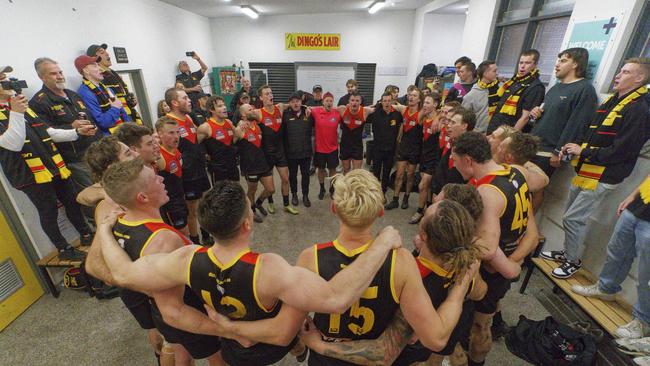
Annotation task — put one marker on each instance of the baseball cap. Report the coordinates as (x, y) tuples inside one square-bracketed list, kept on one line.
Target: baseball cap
[(317, 87), (244, 95), (92, 49), (6, 68), (82, 61)]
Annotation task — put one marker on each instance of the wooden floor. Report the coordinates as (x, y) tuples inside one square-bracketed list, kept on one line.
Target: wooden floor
[(608, 314)]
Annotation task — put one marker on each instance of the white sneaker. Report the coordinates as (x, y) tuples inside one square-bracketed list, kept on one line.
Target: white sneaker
[(634, 329), (642, 361), (636, 347), (592, 291)]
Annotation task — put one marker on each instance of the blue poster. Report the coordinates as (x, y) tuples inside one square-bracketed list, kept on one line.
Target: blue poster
[(593, 36)]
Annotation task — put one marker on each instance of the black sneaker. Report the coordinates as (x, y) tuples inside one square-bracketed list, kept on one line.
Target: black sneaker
[(566, 269), (294, 199), (262, 210), (499, 329), (321, 194), (86, 239), (107, 292), (72, 254), (306, 201), (391, 205), (554, 255), (405, 203)]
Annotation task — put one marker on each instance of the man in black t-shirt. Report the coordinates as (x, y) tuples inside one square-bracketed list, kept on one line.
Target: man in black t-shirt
[(631, 238), (386, 123), (519, 95), (191, 80)]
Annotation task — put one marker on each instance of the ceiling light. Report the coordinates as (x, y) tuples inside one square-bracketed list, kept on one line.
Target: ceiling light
[(376, 6), (250, 11)]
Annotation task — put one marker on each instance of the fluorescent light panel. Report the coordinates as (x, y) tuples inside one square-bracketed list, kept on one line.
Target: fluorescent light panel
[(374, 7), (250, 11)]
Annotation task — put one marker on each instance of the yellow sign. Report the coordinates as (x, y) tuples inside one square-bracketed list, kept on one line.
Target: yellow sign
[(312, 41)]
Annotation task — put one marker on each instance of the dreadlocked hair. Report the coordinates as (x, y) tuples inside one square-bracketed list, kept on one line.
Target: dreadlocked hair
[(450, 236)]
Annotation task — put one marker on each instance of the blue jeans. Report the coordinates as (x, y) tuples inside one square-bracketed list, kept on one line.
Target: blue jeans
[(581, 204), (631, 238)]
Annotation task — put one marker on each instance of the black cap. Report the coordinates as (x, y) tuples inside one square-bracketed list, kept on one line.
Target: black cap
[(201, 94), (295, 95), (317, 87), (92, 49)]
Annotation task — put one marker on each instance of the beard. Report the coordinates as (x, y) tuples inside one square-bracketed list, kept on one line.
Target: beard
[(61, 85)]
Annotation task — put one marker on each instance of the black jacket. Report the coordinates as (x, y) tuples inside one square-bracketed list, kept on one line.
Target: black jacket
[(297, 134), (235, 99), (344, 100), (385, 128), (59, 112)]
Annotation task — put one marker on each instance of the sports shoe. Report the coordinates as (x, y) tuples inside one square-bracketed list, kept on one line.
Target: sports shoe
[(634, 329), (392, 204), (566, 270), (499, 329), (642, 361), (636, 347), (417, 216), (554, 255), (257, 217), (262, 210), (405, 203), (592, 291), (294, 199), (306, 201), (321, 194), (271, 208), (291, 210), (72, 254)]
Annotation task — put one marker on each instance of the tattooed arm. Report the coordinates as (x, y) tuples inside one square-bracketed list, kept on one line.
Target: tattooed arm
[(381, 351)]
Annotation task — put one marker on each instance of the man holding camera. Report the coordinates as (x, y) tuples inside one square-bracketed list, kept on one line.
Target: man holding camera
[(604, 156), (33, 164), (62, 108), (191, 80), (107, 111), (114, 81)]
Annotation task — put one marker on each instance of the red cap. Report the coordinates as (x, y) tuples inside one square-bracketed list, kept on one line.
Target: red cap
[(328, 95), (82, 61)]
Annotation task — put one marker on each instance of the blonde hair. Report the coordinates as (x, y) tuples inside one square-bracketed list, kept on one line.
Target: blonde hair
[(120, 181), (164, 121), (508, 131), (358, 198)]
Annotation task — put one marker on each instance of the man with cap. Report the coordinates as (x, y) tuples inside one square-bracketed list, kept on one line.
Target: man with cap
[(317, 100), (244, 98), (191, 80), (63, 108), (200, 112), (247, 89), (33, 165), (114, 81), (107, 111)]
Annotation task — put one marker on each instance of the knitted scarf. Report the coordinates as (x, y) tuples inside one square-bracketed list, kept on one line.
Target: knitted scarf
[(493, 95), (513, 89)]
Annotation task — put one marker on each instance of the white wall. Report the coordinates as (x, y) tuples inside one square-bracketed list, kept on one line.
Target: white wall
[(479, 25), (442, 38), (155, 35), (383, 38)]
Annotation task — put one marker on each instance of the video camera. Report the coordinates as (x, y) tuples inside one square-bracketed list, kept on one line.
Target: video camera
[(14, 84)]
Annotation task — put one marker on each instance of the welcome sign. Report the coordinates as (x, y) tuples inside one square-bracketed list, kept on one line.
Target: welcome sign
[(312, 41)]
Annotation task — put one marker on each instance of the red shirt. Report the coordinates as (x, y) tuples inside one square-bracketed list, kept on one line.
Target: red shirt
[(353, 120), (253, 135), (410, 120), (326, 129), (272, 120), (173, 161), (222, 132), (186, 128)]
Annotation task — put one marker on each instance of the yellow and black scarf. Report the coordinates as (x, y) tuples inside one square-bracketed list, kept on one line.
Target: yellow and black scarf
[(513, 89), (588, 173), (493, 95)]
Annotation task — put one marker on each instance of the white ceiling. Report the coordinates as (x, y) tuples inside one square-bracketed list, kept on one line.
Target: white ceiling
[(459, 7), (222, 8)]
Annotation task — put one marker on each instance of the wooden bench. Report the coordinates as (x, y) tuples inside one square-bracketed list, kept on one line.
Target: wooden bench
[(53, 260), (608, 314)]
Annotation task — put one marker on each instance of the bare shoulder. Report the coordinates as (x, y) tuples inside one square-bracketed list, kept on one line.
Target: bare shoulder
[(164, 241), (306, 258)]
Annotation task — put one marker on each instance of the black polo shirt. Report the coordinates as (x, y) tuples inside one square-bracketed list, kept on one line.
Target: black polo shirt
[(190, 80), (59, 112), (385, 128), (346, 99)]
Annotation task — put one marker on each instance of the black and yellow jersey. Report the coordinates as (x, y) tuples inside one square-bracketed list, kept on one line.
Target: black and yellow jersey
[(511, 184), (370, 315), (134, 237), (230, 289), (436, 280)]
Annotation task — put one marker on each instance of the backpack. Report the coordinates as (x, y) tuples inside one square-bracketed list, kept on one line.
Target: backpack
[(548, 342)]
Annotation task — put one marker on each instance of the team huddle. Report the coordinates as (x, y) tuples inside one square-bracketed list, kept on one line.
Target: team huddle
[(373, 301)]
